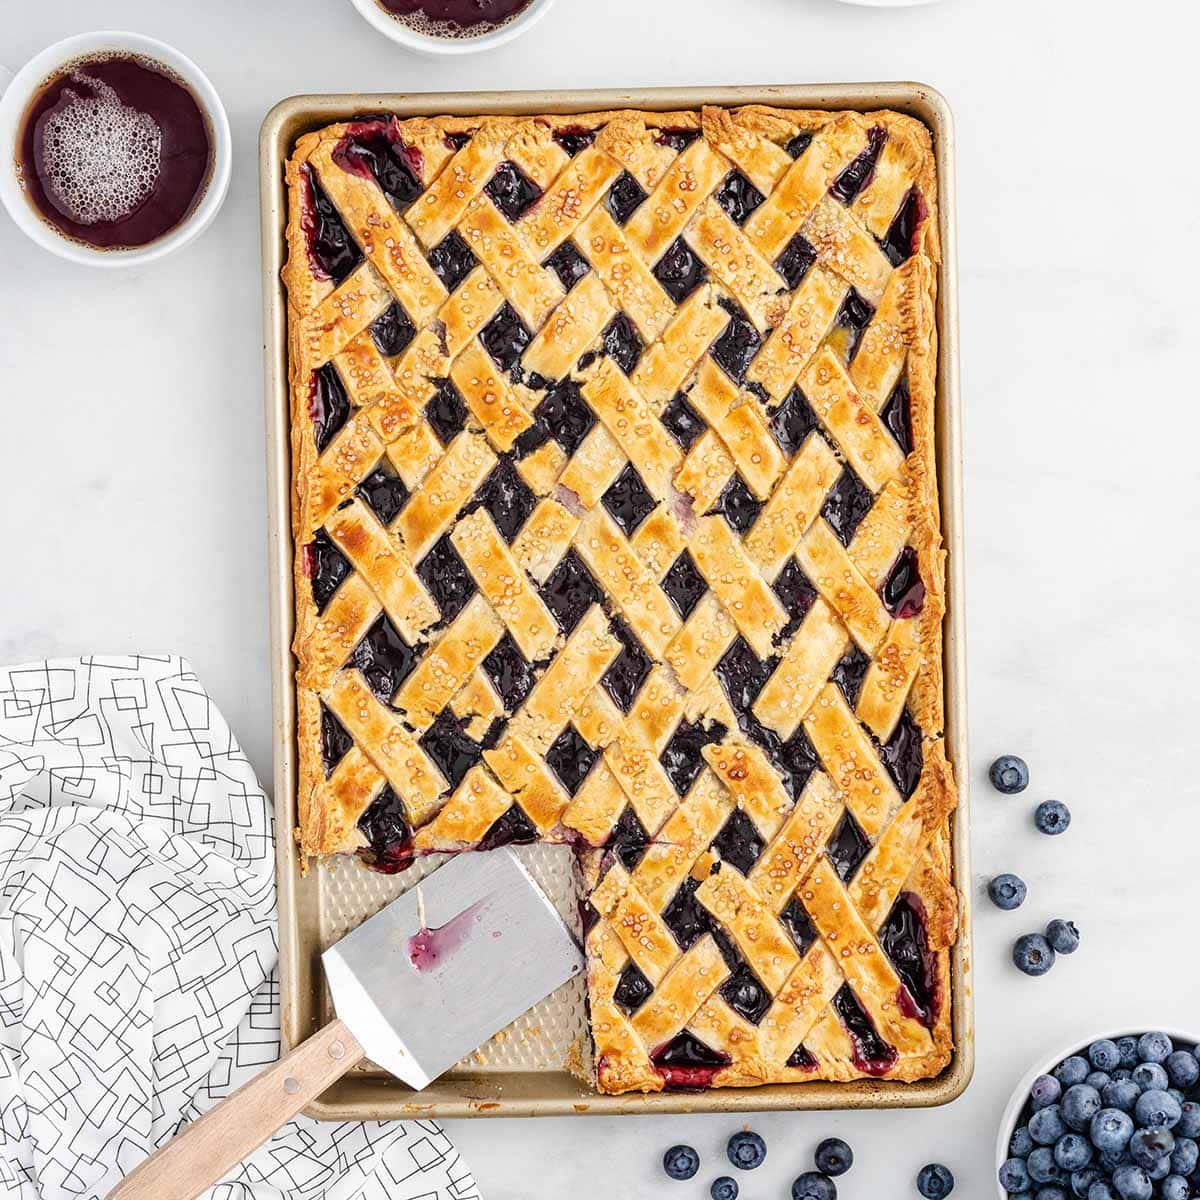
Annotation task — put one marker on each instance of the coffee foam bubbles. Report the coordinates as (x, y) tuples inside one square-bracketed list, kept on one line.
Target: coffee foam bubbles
[(100, 158)]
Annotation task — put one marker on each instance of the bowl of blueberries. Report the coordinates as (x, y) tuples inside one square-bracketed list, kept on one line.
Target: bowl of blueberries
[(1117, 1118)]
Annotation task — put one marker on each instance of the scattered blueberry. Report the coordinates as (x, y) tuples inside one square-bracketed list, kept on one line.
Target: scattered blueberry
[(1111, 1130), (1063, 936), (1104, 1055), (1150, 1076), (1154, 1047), (812, 1185), (1052, 1192), (1047, 1125), (1185, 1157), (681, 1162), (1042, 1167), (1128, 1047), (1098, 1079), (723, 1188), (1021, 1144), (1045, 1090), (1071, 1071), (1120, 1093), (1189, 1122), (1157, 1110), (1132, 1183), (1079, 1105), (1081, 1181), (1009, 774), (746, 1150), (1147, 1146), (1182, 1069), (1101, 1189), (1052, 816), (833, 1157), (1175, 1187), (1014, 1176), (935, 1181), (1007, 891), (1073, 1151), (1035, 956)]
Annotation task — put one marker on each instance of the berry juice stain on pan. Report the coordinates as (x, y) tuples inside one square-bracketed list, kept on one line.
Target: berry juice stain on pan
[(454, 18), (114, 151)]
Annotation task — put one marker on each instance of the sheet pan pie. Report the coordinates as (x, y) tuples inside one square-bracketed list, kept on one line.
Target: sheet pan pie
[(616, 525)]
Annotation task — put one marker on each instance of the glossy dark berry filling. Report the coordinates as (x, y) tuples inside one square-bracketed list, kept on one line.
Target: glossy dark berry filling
[(858, 174), (854, 316), (446, 411), (375, 150), (872, 1055), (737, 346), (565, 413), (624, 197), (682, 757), (570, 591), (388, 834), (685, 916), (900, 241), (680, 271), (505, 337), (848, 501), (633, 988), (793, 421), (903, 591), (683, 422), (629, 669), (326, 566), (677, 139), (739, 843), (847, 847), (510, 673), (506, 497), (684, 585), (738, 197), (392, 330), (332, 252), (801, 1059), (573, 138), (328, 405), (904, 755), (447, 744), (798, 144), (738, 504), (447, 578), (686, 1063), (897, 415), (905, 939), (571, 758), (795, 260), (623, 343), (796, 593), (335, 741), (510, 828), (746, 995), (456, 141), (798, 923), (568, 264), (850, 672), (512, 191), (385, 659), (629, 839), (452, 260), (627, 500)]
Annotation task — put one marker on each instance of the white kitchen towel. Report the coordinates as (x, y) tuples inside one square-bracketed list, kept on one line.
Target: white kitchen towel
[(137, 946)]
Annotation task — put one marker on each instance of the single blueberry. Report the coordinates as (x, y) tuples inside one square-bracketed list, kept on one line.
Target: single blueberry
[(1104, 1055), (935, 1181), (746, 1150), (1007, 891), (1046, 1090), (812, 1185), (723, 1188), (1151, 1077), (1175, 1187), (1110, 1161), (1120, 1093), (1035, 956), (1021, 1144), (1047, 1125), (1009, 774), (1154, 1047), (1111, 1130), (1189, 1121), (681, 1162), (833, 1157), (1147, 1146), (1160, 1170), (1098, 1079), (1182, 1068), (1042, 1167), (1072, 1152), (1132, 1183), (1083, 1179), (1014, 1176), (1051, 1192), (1063, 936), (1072, 1070), (1176, 1095), (1128, 1047), (1185, 1157), (1157, 1110), (1079, 1105), (1052, 817), (1101, 1189)]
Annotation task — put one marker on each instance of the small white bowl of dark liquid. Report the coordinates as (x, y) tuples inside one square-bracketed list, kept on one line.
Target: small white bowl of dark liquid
[(452, 26)]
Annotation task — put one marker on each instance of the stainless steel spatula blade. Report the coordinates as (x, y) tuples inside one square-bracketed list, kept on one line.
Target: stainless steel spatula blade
[(495, 947)]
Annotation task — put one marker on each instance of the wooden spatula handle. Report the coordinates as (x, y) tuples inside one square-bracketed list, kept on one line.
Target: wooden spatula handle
[(212, 1145)]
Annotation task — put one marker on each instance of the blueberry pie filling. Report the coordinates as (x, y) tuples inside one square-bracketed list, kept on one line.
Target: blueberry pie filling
[(615, 529)]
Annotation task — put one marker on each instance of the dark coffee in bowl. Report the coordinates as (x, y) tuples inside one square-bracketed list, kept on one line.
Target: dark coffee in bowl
[(114, 151), (454, 18)]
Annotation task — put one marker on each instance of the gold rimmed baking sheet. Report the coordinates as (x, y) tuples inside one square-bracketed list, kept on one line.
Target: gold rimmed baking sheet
[(522, 1071)]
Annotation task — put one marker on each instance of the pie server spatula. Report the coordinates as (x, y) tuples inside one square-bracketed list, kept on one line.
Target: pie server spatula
[(412, 995)]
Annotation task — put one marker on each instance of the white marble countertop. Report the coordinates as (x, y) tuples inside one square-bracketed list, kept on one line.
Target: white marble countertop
[(132, 476)]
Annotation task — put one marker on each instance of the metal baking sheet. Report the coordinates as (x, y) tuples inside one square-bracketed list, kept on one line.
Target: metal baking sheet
[(521, 1072)]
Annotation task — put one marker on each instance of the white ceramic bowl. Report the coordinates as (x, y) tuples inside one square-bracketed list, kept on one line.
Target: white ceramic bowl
[(1019, 1098), (423, 43), (16, 99)]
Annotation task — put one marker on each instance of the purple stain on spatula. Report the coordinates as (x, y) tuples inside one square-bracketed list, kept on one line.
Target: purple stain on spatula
[(429, 948)]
